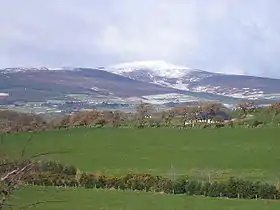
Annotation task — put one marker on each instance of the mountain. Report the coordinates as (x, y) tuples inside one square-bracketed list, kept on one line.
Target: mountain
[(41, 84), (195, 80), (155, 82)]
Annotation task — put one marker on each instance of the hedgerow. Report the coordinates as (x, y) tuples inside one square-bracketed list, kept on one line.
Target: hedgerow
[(231, 188)]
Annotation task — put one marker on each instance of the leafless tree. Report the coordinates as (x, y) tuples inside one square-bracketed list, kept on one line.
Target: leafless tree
[(168, 116), (245, 107), (210, 107), (117, 118), (144, 113), (188, 113), (275, 108), (11, 122)]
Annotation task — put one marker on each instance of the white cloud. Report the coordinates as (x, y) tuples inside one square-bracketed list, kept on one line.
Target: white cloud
[(231, 36)]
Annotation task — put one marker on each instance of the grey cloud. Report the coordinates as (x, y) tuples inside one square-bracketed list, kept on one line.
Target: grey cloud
[(230, 36)]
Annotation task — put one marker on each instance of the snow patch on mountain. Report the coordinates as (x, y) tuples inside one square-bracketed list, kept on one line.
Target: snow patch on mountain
[(158, 68), (179, 77), (184, 78)]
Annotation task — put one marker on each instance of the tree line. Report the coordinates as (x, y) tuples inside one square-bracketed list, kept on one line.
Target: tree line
[(145, 115)]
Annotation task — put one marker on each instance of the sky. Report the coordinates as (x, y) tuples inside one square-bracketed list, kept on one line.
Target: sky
[(227, 36)]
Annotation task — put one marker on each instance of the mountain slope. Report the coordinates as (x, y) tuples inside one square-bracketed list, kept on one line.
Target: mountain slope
[(184, 78), (45, 84), (154, 81)]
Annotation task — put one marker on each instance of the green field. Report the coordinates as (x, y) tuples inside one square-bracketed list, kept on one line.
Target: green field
[(117, 200), (248, 153), (208, 153)]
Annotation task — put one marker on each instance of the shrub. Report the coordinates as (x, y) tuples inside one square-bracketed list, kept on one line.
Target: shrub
[(154, 123), (232, 188), (56, 167), (69, 170), (50, 166), (179, 186), (193, 187), (255, 123), (247, 189), (88, 180)]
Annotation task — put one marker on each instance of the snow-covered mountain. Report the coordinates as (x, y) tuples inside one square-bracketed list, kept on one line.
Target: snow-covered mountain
[(157, 68), (140, 78), (185, 78)]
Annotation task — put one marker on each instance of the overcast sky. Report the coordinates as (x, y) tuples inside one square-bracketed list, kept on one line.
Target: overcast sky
[(230, 36)]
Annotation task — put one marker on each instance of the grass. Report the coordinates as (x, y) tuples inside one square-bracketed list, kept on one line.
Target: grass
[(247, 153), (117, 200)]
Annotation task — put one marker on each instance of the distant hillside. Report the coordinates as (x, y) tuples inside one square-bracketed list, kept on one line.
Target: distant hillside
[(44, 84), (153, 82)]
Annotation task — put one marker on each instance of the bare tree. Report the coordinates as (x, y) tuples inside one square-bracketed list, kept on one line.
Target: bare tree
[(11, 121), (275, 108), (245, 107), (168, 116), (211, 107), (188, 113), (144, 113), (83, 118), (117, 118)]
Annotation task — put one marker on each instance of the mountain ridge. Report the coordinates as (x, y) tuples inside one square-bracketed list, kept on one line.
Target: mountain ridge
[(138, 65), (196, 80), (142, 79)]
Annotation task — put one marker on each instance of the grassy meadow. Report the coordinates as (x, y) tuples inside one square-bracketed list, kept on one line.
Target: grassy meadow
[(208, 153), (117, 200), (205, 153)]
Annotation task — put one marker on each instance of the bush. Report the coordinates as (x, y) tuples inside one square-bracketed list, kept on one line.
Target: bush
[(179, 186), (255, 123), (88, 180), (193, 187), (69, 170), (50, 179), (154, 124), (56, 167), (232, 188), (50, 166), (164, 185), (247, 189)]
